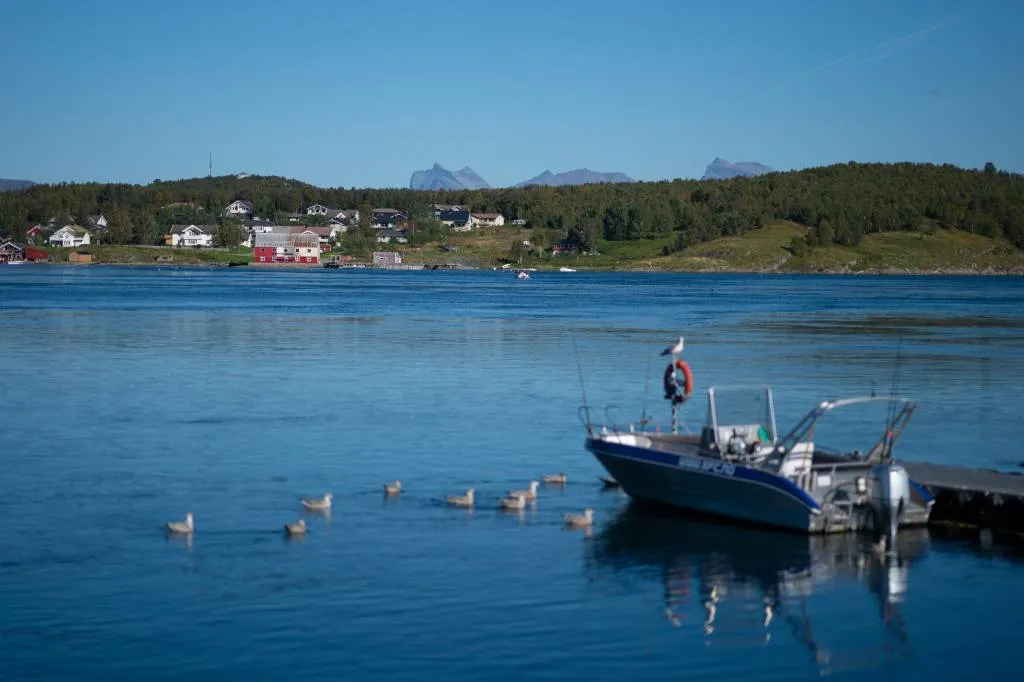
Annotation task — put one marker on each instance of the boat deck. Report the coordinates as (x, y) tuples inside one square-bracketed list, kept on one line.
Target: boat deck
[(986, 481)]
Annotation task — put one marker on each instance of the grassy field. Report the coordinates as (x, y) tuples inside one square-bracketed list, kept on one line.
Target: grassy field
[(764, 250), (147, 255)]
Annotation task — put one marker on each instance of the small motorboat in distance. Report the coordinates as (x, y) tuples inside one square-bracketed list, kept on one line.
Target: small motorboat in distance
[(522, 274), (739, 468)]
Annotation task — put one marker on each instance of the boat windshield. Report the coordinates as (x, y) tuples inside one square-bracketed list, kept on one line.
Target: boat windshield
[(747, 409)]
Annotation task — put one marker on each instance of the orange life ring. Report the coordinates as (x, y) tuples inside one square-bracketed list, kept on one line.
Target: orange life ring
[(672, 383)]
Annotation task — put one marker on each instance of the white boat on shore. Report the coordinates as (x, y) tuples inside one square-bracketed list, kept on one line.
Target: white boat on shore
[(565, 269)]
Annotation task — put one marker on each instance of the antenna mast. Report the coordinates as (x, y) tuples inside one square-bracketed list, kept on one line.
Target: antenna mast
[(211, 164)]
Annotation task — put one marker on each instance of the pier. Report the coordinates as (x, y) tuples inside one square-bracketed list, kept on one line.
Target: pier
[(983, 498)]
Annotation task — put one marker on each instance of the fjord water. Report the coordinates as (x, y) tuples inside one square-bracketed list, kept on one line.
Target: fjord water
[(133, 395)]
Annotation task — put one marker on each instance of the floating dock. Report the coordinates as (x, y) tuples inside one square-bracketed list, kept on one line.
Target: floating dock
[(984, 498)]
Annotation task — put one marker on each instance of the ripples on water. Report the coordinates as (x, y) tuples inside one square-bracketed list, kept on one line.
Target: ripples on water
[(134, 395)]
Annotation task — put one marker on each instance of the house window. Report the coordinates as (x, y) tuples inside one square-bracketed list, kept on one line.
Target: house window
[(263, 259)]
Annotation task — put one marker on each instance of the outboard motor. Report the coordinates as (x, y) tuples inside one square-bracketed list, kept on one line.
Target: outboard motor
[(892, 495)]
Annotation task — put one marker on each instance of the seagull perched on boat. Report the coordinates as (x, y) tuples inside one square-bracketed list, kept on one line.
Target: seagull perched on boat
[(674, 349), (319, 505), (393, 488), (579, 520), (185, 526), (530, 493), (297, 528)]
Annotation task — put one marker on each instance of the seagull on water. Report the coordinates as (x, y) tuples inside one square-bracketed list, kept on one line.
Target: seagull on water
[(674, 349)]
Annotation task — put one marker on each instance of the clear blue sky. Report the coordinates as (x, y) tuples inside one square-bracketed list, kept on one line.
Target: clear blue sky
[(361, 93)]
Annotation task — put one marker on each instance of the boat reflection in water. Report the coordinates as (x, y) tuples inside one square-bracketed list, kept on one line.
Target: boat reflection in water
[(744, 586)]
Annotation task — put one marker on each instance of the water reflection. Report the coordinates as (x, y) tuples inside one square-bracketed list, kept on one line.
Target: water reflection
[(741, 587)]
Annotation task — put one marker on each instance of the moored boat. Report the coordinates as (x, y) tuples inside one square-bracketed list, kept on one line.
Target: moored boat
[(739, 467)]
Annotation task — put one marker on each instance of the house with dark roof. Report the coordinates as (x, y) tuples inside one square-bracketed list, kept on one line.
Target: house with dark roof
[(11, 251), (386, 236), (384, 218), (457, 219)]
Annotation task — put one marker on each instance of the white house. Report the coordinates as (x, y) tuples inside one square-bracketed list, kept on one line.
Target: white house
[(336, 216), (190, 235), (70, 236), (487, 219), (239, 207), (98, 221)]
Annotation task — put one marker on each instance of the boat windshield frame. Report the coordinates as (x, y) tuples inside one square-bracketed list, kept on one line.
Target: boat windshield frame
[(882, 448), (764, 389)]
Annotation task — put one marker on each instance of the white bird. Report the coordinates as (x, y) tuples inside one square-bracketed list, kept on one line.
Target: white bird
[(297, 528), (675, 349), (557, 479), (579, 520), (513, 503), (530, 493), (461, 500), (393, 488), (324, 503), (185, 526)]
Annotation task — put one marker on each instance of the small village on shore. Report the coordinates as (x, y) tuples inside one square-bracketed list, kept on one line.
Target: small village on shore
[(305, 239)]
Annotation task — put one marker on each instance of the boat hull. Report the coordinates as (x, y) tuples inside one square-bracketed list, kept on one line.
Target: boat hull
[(701, 485)]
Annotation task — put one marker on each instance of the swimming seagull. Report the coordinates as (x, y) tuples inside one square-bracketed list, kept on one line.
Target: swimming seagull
[(297, 528), (461, 500), (185, 526), (530, 493), (675, 349), (393, 488), (579, 520), (325, 503), (513, 503), (556, 479)]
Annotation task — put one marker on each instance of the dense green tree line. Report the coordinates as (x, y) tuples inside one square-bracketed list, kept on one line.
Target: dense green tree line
[(842, 203)]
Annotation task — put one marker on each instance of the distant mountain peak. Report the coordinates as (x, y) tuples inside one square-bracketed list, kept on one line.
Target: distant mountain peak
[(579, 176), (10, 185), (720, 169), (439, 177)]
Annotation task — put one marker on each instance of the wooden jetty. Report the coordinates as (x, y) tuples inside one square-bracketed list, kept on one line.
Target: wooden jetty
[(984, 498)]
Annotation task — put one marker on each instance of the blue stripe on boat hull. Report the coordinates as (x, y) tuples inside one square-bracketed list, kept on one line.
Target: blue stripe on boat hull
[(782, 485)]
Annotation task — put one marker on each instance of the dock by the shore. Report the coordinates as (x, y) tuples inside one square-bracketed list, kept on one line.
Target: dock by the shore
[(982, 498)]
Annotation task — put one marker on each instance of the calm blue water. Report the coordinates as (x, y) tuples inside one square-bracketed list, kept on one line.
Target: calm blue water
[(131, 396)]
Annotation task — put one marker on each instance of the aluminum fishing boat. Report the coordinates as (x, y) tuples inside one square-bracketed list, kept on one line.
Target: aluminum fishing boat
[(738, 467)]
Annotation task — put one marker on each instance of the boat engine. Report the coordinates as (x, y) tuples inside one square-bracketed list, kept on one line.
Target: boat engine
[(892, 496)]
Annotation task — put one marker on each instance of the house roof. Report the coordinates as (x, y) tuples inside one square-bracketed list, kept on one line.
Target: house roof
[(391, 233), (486, 216), (461, 216), (76, 230), (314, 229), (205, 229), (10, 246), (387, 210), (243, 202)]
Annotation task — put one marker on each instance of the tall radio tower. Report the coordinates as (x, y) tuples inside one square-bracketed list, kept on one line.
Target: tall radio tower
[(211, 164)]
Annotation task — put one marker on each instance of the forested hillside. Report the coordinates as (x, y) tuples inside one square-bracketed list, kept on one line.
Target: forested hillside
[(842, 203)]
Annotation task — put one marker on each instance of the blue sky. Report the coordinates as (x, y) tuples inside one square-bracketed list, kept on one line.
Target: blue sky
[(361, 94)]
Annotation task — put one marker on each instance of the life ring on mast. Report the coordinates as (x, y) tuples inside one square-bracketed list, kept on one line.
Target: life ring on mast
[(673, 391)]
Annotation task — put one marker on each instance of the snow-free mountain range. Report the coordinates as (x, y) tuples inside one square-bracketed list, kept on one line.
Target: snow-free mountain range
[(438, 177)]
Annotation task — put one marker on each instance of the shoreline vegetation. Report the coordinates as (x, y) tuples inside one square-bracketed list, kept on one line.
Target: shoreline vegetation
[(844, 218), (764, 251)]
